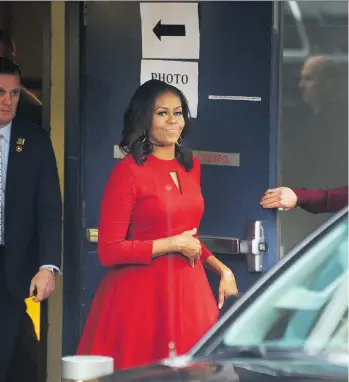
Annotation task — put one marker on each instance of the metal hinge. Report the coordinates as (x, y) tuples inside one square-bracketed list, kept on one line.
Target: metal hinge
[(92, 235), (85, 13)]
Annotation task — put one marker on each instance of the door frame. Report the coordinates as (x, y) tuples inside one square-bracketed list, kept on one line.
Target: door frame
[(74, 220), (46, 122), (275, 118), (73, 167)]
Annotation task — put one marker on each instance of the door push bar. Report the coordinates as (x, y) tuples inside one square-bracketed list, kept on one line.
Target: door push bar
[(253, 246)]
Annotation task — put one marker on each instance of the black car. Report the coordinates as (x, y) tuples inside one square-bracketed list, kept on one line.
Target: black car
[(292, 325)]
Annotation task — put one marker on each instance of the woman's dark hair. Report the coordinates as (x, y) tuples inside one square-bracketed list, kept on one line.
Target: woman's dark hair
[(138, 119)]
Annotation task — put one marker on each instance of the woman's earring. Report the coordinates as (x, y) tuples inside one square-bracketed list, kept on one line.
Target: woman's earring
[(179, 142), (144, 134), (145, 144)]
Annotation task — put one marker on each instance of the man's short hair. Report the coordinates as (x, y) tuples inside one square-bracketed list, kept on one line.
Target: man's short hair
[(9, 67), (8, 43)]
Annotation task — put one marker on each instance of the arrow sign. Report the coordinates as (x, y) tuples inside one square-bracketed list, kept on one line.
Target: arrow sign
[(174, 22), (168, 30)]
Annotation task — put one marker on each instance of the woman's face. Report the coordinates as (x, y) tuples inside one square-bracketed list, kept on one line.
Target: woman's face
[(168, 121)]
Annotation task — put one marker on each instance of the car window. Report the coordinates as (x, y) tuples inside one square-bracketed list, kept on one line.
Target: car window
[(306, 307)]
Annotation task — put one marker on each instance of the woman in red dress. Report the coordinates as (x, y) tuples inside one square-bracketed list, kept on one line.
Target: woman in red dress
[(155, 296)]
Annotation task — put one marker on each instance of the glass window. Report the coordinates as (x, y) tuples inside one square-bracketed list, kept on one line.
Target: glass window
[(306, 307), (292, 34), (313, 114)]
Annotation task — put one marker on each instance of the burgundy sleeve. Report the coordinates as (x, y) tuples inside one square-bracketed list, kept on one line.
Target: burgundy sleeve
[(320, 201), (205, 252), (117, 205)]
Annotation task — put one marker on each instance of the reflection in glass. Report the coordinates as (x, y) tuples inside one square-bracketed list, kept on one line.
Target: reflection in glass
[(314, 122)]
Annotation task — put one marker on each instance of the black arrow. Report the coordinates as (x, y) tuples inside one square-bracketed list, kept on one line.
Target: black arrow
[(168, 30)]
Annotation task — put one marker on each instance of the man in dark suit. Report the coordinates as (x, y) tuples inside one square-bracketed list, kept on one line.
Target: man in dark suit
[(311, 200), (30, 228)]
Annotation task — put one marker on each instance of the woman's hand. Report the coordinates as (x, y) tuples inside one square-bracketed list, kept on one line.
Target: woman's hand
[(227, 287), (189, 246)]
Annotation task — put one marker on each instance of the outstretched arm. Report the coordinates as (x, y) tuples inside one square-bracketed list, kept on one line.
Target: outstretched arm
[(311, 200)]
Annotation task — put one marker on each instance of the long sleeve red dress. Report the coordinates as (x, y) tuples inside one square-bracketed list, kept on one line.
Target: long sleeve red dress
[(144, 304)]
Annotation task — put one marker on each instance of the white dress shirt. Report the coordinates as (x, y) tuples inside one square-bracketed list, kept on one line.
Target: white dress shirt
[(5, 148)]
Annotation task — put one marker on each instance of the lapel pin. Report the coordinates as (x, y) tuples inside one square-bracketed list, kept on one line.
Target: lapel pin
[(19, 144)]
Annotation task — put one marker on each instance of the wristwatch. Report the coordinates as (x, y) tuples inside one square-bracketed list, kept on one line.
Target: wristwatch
[(53, 270)]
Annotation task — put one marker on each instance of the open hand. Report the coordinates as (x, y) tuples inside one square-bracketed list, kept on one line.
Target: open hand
[(281, 197)]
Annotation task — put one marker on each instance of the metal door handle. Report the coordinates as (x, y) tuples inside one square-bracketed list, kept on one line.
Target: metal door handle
[(218, 244), (253, 246), (92, 235)]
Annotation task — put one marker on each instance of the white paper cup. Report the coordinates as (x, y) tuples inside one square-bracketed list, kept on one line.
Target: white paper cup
[(85, 367)]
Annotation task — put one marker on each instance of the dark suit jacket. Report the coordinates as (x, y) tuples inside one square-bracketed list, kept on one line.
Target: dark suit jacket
[(33, 208), (33, 221), (317, 201)]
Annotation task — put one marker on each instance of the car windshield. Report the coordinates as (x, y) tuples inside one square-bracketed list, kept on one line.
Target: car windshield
[(306, 308)]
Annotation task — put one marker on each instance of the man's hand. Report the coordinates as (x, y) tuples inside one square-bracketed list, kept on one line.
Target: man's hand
[(281, 197), (44, 283)]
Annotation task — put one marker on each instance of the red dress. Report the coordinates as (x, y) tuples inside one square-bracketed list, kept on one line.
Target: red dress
[(143, 304)]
